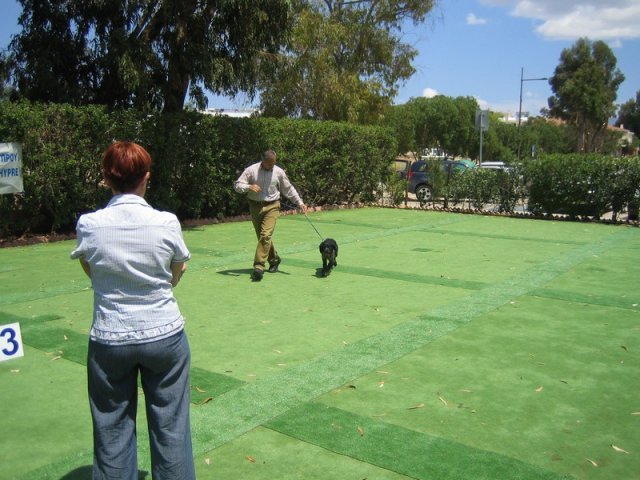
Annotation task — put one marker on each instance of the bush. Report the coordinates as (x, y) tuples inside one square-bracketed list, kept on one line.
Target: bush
[(196, 159), (481, 187), (60, 145), (581, 185), (394, 188)]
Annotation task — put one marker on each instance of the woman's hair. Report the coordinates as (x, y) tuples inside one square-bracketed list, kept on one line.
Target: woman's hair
[(124, 165)]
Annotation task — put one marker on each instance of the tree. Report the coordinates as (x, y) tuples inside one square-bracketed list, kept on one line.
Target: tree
[(629, 115), (401, 119), (5, 61), (144, 53), (445, 122), (585, 85), (344, 61)]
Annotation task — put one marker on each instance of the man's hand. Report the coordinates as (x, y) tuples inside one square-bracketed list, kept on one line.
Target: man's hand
[(303, 207), (255, 187)]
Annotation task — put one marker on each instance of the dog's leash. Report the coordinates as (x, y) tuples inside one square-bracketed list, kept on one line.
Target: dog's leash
[(314, 227), (305, 216)]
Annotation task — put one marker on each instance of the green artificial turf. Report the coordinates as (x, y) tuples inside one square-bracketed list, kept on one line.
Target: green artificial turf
[(442, 346)]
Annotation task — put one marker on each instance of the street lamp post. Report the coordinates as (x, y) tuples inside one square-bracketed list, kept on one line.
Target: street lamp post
[(522, 80)]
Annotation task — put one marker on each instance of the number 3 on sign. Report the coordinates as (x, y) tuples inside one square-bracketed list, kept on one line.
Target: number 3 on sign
[(10, 342)]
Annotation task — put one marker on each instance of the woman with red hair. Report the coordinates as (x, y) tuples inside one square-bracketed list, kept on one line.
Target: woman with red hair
[(134, 256)]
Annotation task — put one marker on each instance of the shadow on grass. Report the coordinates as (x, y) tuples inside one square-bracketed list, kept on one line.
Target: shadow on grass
[(237, 272), (85, 472)]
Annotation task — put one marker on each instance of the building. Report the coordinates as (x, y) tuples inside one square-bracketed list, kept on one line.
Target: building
[(232, 112), (513, 117)]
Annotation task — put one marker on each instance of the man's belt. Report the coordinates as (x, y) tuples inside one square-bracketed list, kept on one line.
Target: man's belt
[(265, 202)]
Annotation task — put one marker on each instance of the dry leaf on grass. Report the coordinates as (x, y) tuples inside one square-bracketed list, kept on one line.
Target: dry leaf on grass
[(591, 462), (618, 449), (443, 401), (539, 389), (624, 348), (198, 389), (635, 413), (206, 400), (16, 370), (361, 431), (65, 338), (420, 405), (207, 461), (381, 383), (250, 459)]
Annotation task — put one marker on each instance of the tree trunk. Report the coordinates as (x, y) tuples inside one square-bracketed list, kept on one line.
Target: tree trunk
[(175, 91)]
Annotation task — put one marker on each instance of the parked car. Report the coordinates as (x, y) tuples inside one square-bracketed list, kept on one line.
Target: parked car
[(494, 165), (401, 166), (418, 176)]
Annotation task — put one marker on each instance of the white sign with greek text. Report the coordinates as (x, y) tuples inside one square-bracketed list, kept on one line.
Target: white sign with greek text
[(11, 168)]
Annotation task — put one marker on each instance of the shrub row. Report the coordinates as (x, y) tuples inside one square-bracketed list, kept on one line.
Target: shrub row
[(196, 159), (575, 185), (582, 185)]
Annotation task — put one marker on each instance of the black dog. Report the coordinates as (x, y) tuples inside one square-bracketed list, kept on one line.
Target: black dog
[(329, 251)]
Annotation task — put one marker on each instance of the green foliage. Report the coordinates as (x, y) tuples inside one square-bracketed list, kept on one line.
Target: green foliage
[(477, 186), (60, 145), (438, 179), (443, 122), (344, 61), (582, 185), (332, 162), (401, 119), (143, 54), (629, 115), (585, 85), (196, 159), (394, 189), (449, 123)]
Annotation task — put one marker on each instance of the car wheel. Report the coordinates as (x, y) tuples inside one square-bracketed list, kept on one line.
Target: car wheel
[(423, 193)]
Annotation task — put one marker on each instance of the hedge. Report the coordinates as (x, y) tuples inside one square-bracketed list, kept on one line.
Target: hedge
[(580, 186), (196, 159)]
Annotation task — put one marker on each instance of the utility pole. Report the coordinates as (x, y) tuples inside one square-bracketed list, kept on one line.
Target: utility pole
[(522, 80), (482, 125)]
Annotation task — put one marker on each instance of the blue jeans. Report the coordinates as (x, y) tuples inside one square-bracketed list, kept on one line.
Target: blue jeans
[(113, 398)]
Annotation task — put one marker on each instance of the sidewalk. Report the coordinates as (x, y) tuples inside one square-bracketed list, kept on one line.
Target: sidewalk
[(412, 202)]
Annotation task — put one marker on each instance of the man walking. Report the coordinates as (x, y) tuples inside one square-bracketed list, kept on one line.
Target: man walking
[(264, 182)]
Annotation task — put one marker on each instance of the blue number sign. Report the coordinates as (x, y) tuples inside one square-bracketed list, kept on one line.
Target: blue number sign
[(10, 342)]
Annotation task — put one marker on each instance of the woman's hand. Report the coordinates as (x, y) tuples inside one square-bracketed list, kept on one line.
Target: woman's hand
[(177, 270)]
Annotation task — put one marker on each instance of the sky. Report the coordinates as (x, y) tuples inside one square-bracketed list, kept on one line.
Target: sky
[(482, 48)]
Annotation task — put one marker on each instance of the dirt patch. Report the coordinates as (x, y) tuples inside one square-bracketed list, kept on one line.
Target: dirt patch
[(33, 239), (30, 239)]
